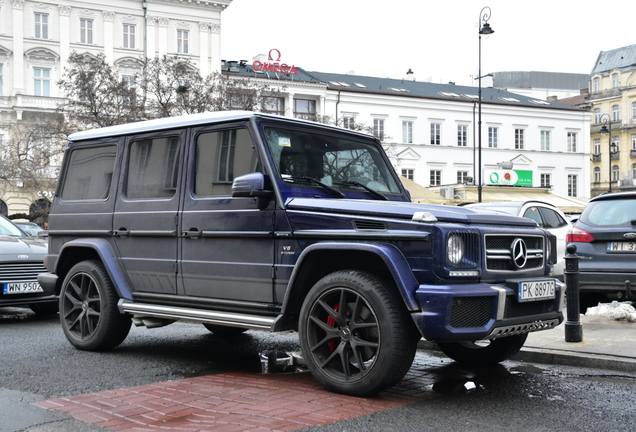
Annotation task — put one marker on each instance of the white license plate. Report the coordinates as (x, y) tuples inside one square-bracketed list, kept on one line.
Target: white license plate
[(22, 287), (621, 247), (534, 290)]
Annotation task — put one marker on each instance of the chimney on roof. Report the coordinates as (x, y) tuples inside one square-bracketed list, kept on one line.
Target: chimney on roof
[(410, 76)]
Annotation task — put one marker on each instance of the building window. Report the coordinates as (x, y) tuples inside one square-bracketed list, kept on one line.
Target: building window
[(436, 177), (546, 180), (520, 139), (305, 109), (462, 135), (615, 173), (633, 141), (274, 105), (41, 82), (129, 36), (634, 110), (41, 26), (462, 177), (378, 128), (407, 132), (408, 173), (634, 171), (546, 144), (597, 115), (572, 142), (572, 185), (596, 85), (493, 137), (597, 146), (597, 175), (183, 38), (1, 80), (615, 81), (615, 113), (86, 31), (436, 134), (348, 123)]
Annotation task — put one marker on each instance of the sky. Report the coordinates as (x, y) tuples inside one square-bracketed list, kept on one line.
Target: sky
[(438, 40)]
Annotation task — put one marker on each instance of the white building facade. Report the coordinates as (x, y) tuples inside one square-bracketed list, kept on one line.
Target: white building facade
[(431, 130), (37, 37)]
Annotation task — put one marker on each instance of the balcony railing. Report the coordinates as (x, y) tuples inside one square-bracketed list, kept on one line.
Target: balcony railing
[(596, 157)]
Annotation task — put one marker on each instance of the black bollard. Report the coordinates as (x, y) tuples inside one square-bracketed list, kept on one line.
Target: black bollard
[(573, 327)]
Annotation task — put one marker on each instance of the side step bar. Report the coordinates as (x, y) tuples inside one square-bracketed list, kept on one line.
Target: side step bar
[(197, 315)]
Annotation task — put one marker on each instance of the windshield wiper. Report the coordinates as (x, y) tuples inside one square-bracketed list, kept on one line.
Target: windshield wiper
[(373, 192), (326, 187)]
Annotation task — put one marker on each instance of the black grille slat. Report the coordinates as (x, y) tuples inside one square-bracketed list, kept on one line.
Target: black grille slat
[(364, 225), (499, 254), (20, 272)]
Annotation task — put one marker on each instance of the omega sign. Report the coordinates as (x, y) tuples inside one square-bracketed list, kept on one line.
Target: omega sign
[(273, 64)]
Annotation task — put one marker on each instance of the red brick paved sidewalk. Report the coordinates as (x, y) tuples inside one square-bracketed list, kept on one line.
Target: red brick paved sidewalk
[(223, 403)]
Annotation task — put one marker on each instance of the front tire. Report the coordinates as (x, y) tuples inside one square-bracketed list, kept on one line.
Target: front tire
[(483, 353), (356, 334), (88, 309)]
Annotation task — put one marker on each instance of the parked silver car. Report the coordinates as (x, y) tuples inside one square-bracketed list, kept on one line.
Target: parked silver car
[(21, 260), (544, 214)]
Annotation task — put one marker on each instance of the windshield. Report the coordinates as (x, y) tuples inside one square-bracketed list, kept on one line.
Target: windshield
[(610, 212), (7, 228), (332, 160)]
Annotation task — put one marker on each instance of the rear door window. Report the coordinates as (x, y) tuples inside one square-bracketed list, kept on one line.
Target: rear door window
[(89, 173)]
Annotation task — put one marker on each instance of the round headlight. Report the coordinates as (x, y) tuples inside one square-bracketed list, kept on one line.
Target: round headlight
[(455, 249)]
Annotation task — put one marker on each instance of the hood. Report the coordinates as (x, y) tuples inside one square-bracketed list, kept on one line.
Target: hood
[(405, 210), (18, 249)]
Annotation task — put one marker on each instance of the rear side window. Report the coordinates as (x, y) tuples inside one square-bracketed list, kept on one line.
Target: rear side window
[(153, 168), (552, 219), (89, 173), (610, 212)]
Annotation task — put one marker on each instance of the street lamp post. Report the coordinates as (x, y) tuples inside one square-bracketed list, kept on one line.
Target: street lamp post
[(484, 29), (606, 129)]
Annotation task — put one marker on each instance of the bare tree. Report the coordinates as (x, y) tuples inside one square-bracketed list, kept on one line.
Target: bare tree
[(96, 95)]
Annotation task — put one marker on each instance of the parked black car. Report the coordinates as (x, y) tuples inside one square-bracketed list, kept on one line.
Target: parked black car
[(21, 260), (605, 238)]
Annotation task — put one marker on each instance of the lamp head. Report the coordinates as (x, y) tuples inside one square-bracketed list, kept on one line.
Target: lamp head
[(486, 29)]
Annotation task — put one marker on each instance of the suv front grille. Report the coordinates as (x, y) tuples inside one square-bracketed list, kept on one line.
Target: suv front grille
[(472, 311), (499, 253), (20, 272)]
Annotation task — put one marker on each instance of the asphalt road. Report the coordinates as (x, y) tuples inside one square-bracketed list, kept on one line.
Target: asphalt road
[(38, 363)]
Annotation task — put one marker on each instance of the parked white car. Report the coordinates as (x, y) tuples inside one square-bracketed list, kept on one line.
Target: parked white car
[(546, 215)]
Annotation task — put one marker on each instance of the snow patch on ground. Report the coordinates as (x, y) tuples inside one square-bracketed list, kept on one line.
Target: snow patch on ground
[(618, 311)]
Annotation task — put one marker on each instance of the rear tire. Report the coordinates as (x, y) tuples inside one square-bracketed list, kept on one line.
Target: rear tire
[(88, 308), (356, 335), (483, 353)]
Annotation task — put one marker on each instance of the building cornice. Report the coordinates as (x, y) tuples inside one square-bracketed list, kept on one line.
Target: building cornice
[(213, 5)]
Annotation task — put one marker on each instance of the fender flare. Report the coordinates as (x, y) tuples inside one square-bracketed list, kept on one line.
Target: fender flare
[(392, 257), (105, 252)]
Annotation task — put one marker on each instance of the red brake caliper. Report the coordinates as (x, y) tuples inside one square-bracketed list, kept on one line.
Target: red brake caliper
[(331, 321)]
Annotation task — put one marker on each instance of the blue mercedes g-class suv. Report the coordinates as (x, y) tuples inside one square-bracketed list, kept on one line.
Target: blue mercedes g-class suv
[(241, 220)]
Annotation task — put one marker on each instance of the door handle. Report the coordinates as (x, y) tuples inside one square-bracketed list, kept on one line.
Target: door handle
[(193, 233), (121, 232)]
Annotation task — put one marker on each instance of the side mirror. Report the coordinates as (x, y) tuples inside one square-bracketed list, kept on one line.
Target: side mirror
[(252, 185)]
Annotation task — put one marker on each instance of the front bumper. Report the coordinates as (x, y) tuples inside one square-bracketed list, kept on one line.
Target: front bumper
[(483, 311)]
